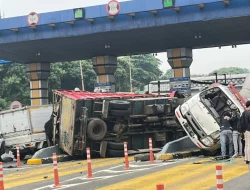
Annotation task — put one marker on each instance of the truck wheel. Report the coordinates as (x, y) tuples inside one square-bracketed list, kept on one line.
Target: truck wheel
[(114, 153), (97, 129), (119, 104), (115, 146), (119, 112)]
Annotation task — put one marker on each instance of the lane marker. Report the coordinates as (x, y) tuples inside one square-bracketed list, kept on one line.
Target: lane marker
[(151, 166)]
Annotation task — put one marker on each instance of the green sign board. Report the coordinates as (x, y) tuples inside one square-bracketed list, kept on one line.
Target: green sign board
[(168, 3), (78, 13)]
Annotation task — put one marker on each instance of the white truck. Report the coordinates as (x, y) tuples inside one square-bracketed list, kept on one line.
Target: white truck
[(200, 116), (24, 127)]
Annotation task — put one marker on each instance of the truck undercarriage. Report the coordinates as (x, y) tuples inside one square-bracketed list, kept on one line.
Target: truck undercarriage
[(104, 121)]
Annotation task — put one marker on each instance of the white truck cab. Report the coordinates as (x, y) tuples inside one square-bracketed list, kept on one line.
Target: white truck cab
[(200, 116)]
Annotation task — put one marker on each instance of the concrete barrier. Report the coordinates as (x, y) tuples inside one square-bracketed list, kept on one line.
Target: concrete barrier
[(49, 160), (45, 156), (180, 145), (177, 155)]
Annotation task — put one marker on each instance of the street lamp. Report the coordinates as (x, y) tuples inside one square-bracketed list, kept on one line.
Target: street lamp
[(82, 76), (130, 75), (225, 78), (216, 77)]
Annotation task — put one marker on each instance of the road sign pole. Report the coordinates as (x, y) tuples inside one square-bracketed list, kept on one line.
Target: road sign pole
[(130, 76), (82, 76)]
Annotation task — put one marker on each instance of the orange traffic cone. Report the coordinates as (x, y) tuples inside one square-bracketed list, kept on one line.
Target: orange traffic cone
[(56, 177), (1, 176), (219, 177), (89, 163), (151, 150), (126, 156), (160, 187), (18, 156)]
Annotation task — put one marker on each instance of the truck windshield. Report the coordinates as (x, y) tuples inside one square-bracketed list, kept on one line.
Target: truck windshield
[(218, 101)]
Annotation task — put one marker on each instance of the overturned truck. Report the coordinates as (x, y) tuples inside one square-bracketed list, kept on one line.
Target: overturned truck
[(103, 121), (200, 116)]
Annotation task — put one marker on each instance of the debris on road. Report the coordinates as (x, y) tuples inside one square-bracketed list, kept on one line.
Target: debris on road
[(8, 156)]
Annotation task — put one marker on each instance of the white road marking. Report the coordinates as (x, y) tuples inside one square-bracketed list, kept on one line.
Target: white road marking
[(109, 170)]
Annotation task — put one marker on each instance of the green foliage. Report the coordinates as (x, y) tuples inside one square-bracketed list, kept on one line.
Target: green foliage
[(144, 68), (67, 75), (167, 75), (3, 104), (14, 84), (230, 70)]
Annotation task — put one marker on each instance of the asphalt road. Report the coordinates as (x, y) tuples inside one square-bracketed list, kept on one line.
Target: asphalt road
[(109, 174)]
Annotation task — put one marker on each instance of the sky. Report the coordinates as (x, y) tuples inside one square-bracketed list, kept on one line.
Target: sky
[(204, 60)]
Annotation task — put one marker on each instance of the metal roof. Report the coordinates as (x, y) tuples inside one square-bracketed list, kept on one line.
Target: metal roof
[(90, 95)]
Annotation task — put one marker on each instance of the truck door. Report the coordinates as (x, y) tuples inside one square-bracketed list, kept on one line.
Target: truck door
[(67, 125), (39, 115)]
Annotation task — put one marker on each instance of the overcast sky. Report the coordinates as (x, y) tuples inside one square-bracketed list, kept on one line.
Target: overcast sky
[(204, 60)]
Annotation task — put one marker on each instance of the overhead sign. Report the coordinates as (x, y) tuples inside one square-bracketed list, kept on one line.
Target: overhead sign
[(168, 3), (181, 84), (15, 105), (79, 13), (113, 7), (33, 19)]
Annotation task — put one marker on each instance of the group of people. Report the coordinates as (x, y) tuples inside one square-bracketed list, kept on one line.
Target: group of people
[(234, 128)]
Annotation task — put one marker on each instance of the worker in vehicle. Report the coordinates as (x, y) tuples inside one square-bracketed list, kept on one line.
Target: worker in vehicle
[(236, 134), (245, 128), (226, 135)]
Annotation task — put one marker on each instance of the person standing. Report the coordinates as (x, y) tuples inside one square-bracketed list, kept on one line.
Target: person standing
[(245, 128), (226, 134), (236, 134)]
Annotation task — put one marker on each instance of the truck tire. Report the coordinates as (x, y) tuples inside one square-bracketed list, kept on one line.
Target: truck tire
[(97, 129), (119, 112), (114, 153), (119, 104), (115, 146)]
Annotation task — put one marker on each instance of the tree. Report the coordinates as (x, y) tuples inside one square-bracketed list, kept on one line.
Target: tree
[(230, 70), (122, 75), (3, 104), (14, 83), (144, 68), (167, 75), (67, 75)]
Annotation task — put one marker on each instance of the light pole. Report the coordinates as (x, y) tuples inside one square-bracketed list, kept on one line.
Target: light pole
[(130, 75), (82, 76), (216, 77), (225, 77)]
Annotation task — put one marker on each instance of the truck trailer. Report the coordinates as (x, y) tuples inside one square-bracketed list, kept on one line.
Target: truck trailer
[(103, 121)]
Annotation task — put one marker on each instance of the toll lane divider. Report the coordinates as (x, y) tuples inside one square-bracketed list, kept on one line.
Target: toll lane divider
[(167, 156), (49, 160), (177, 155)]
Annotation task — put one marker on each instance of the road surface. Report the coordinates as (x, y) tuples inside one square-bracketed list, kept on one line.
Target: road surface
[(109, 174)]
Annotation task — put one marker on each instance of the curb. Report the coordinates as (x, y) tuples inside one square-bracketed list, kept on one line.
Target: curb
[(179, 155), (49, 160)]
